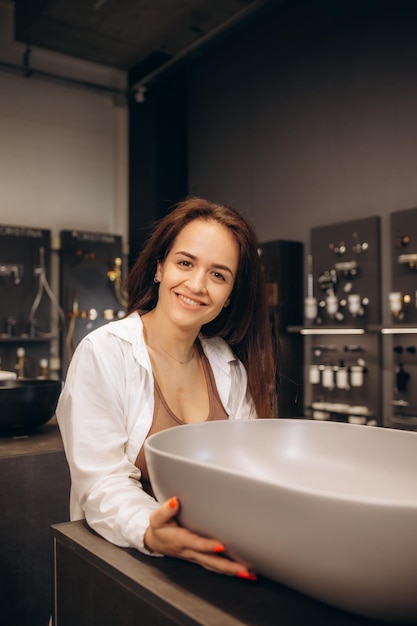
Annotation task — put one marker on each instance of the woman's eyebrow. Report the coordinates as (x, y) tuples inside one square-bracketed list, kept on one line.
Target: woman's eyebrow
[(218, 266), (222, 267)]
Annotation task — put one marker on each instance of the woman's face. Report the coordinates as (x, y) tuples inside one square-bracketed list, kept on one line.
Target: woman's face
[(198, 274)]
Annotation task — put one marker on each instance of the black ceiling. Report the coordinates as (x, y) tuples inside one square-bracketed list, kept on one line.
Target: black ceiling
[(126, 34)]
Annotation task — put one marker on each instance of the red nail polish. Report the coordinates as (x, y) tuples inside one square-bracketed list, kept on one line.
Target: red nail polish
[(246, 575), (219, 548), (173, 503)]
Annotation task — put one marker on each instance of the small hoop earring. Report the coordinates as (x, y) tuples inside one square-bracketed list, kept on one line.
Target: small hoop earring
[(155, 280)]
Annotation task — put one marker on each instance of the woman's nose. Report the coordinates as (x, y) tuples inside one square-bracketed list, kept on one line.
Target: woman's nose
[(197, 282)]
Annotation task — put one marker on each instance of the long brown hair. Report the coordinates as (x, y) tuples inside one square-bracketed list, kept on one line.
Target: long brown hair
[(245, 324)]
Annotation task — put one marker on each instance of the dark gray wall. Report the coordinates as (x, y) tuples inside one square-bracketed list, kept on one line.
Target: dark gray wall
[(157, 156), (308, 116)]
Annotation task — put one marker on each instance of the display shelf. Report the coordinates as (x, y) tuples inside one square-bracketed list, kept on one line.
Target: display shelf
[(328, 330), (352, 330), (399, 330), (324, 406), (21, 339)]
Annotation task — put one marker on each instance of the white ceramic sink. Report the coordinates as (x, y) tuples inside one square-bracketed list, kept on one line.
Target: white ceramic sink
[(329, 509)]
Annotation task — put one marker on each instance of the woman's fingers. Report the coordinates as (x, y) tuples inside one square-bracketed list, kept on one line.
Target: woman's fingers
[(165, 513), (178, 538), (165, 536), (218, 564)]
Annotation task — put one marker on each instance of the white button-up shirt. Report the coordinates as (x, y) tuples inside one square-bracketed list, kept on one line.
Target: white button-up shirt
[(105, 412)]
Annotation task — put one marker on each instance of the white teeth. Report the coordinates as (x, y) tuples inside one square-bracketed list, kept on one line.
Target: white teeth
[(188, 301)]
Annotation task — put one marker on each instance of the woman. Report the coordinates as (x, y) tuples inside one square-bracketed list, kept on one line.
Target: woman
[(196, 344)]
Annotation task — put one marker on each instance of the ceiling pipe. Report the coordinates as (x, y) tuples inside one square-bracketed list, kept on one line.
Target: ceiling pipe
[(138, 89), (139, 86)]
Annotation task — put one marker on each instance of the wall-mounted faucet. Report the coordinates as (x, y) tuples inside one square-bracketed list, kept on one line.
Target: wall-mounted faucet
[(115, 276), (12, 269)]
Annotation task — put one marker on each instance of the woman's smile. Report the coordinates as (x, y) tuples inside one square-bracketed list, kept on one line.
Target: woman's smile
[(189, 301)]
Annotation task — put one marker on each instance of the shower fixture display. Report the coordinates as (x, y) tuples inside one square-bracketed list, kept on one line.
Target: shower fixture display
[(24, 308), (404, 377), (337, 374), (350, 381), (402, 305), (91, 285), (347, 273), (402, 300), (343, 379)]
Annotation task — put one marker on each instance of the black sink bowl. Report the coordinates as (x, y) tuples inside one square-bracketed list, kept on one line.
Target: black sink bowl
[(26, 404)]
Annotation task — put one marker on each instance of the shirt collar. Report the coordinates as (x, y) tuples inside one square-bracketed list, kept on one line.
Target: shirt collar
[(130, 329)]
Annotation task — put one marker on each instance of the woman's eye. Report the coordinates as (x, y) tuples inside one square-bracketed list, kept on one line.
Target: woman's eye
[(185, 263), (219, 276)]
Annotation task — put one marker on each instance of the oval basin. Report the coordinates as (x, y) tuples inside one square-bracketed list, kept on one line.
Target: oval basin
[(26, 404), (326, 508)]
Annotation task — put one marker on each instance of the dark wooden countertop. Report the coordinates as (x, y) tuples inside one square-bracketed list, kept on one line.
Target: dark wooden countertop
[(46, 439), (193, 595)]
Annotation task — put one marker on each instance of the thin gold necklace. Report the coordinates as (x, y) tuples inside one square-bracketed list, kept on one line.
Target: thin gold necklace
[(170, 355)]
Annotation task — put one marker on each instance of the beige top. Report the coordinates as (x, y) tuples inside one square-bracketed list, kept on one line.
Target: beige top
[(164, 418)]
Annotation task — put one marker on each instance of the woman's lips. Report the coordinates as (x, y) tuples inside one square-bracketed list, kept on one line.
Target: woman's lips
[(189, 301)]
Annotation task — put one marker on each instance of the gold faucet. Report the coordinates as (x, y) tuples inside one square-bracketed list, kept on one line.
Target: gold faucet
[(20, 365), (115, 276), (43, 364)]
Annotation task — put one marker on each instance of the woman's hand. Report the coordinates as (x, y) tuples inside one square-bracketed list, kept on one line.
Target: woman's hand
[(164, 535)]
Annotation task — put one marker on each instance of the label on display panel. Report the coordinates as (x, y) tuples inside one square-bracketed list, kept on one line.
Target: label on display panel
[(94, 237), (17, 231)]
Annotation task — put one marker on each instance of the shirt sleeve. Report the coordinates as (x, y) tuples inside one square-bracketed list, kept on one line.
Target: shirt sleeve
[(241, 400), (92, 418)]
